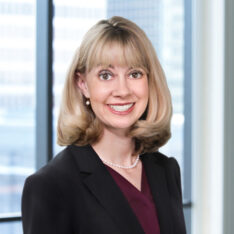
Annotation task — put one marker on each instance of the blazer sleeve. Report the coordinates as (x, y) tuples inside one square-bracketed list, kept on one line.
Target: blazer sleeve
[(176, 194), (43, 207), (177, 176)]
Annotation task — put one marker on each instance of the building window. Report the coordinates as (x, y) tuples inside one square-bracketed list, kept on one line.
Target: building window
[(17, 105)]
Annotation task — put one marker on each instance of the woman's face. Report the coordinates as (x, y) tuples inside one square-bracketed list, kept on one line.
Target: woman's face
[(118, 94)]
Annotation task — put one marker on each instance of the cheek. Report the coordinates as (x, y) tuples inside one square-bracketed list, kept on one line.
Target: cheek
[(143, 91), (98, 93)]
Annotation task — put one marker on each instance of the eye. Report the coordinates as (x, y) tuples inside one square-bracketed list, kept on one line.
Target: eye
[(105, 75), (136, 74)]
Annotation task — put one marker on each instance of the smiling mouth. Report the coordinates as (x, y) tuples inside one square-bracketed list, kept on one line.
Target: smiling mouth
[(124, 107)]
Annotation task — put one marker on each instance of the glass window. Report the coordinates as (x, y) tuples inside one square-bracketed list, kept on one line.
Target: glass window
[(17, 104), (11, 228)]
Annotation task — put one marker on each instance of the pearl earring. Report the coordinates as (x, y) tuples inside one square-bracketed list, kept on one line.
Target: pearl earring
[(87, 102)]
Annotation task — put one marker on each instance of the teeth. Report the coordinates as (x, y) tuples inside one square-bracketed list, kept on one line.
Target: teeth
[(122, 107)]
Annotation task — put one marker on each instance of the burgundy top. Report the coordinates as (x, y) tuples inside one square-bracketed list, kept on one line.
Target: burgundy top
[(141, 202)]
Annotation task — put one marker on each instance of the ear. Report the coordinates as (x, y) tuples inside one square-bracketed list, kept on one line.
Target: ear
[(82, 84)]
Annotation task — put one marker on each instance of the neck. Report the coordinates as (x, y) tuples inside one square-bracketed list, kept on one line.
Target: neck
[(115, 147)]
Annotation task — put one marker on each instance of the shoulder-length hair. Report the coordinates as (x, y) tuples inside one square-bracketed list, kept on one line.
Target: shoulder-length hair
[(77, 123)]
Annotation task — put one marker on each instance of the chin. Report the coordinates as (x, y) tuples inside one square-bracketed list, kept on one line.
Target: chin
[(123, 126)]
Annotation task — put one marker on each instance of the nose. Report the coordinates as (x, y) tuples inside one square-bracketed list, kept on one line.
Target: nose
[(122, 87)]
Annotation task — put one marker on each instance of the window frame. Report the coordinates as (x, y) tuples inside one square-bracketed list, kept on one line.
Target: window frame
[(187, 157)]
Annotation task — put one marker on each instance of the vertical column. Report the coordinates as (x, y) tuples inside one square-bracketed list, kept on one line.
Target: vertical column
[(207, 116), (44, 16), (187, 112), (228, 211)]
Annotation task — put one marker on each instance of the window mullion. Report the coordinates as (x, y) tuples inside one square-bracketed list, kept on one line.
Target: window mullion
[(187, 112), (44, 32)]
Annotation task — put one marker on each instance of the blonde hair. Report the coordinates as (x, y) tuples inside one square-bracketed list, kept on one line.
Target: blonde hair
[(77, 123)]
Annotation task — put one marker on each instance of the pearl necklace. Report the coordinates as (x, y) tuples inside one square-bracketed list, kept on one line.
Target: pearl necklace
[(120, 166)]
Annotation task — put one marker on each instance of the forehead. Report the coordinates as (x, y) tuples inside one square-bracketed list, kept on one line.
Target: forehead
[(118, 55)]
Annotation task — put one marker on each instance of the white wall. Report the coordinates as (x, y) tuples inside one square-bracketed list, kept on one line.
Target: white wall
[(207, 116)]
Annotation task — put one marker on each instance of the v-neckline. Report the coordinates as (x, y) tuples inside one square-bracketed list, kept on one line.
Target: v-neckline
[(128, 182)]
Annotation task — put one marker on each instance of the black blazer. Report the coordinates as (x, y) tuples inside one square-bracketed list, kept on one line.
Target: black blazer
[(75, 194)]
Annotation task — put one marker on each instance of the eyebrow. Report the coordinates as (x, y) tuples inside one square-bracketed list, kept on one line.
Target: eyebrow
[(111, 66), (104, 65)]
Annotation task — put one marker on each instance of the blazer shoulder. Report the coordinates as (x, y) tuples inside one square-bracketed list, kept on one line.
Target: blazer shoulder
[(164, 160), (171, 168), (60, 168), (47, 197), (170, 163)]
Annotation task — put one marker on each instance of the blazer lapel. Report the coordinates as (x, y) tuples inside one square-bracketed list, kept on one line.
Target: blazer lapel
[(104, 188), (157, 180)]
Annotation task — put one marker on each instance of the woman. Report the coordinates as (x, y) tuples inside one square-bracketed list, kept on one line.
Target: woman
[(115, 114)]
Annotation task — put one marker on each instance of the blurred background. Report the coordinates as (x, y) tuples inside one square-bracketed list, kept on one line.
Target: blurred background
[(193, 40)]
